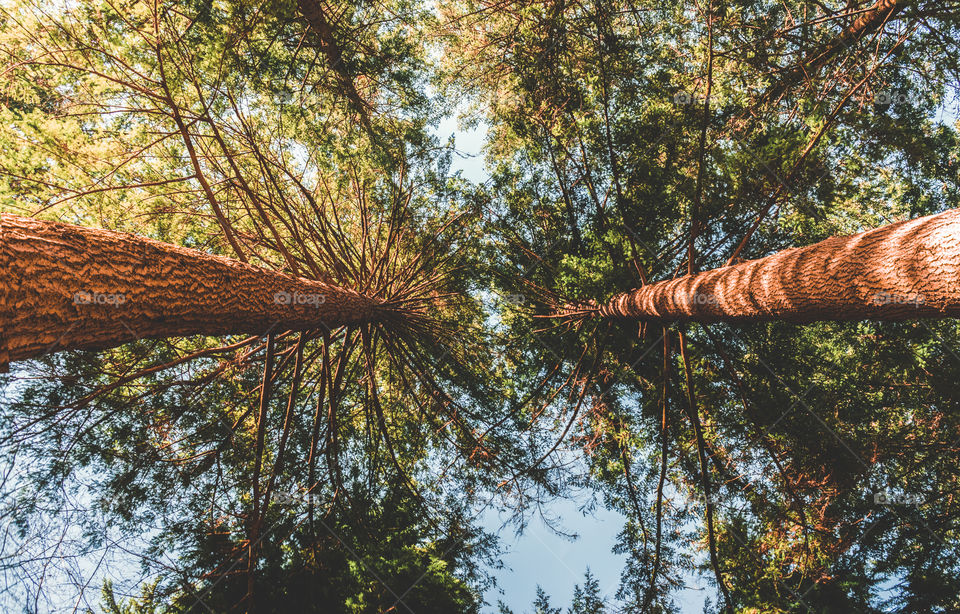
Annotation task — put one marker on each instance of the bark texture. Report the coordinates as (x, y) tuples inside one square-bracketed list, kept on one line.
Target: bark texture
[(66, 287), (904, 270)]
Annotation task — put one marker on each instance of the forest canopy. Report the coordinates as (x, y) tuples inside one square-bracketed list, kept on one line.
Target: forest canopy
[(271, 349)]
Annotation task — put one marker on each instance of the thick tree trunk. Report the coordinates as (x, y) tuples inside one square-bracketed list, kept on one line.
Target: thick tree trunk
[(65, 287), (905, 270)]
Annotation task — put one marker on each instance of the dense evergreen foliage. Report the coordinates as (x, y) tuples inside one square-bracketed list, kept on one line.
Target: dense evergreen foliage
[(801, 467)]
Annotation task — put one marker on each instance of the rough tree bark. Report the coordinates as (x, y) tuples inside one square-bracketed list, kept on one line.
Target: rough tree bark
[(67, 287), (909, 269)]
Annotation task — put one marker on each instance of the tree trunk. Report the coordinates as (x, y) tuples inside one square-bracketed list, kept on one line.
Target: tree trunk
[(867, 22), (313, 12), (904, 270), (66, 287)]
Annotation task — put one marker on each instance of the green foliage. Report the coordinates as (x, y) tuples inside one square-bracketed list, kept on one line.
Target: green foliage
[(541, 605), (608, 165), (587, 600)]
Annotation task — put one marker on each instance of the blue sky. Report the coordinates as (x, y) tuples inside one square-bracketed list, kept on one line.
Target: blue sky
[(540, 556)]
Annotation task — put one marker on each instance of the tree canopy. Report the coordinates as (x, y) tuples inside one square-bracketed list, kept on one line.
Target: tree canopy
[(348, 468)]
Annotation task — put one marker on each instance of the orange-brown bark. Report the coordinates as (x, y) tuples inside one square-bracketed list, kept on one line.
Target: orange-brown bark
[(904, 270), (64, 287), (867, 22)]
